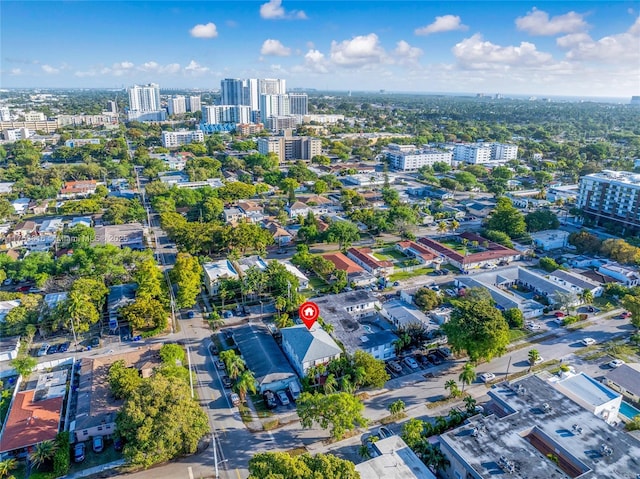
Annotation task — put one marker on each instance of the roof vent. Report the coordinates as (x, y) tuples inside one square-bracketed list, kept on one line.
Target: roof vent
[(605, 450), (546, 407)]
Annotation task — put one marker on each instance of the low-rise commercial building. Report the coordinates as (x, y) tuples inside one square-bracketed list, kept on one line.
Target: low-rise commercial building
[(216, 271)]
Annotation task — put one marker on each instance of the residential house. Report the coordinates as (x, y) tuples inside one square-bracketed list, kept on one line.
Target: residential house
[(355, 274), (130, 235), (21, 205), (21, 233), (354, 318), (6, 306), (78, 189), (544, 286), (6, 187), (263, 357), (9, 348), (216, 271), (417, 251), (393, 459), (81, 220), (253, 211), (119, 296), (51, 226), (364, 257), (402, 314), (577, 283), (306, 348), (625, 274), (626, 380), (297, 208), (550, 239), (39, 208), (280, 235), (233, 215), (303, 281), (254, 261)]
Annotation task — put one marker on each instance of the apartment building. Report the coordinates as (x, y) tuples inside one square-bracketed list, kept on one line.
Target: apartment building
[(289, 147), (411, 159), (172, 139), (221, 114), (480, 153), (177, 105), (611, 196), (194, 103)]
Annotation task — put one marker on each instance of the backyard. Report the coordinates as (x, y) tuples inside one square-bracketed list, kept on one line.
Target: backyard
[(461, 248)]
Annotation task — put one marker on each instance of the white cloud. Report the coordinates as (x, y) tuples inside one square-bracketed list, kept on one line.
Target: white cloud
[(274, 48), (475, 53), (208, 30), (620, 48), (537, 22), (155, 67), (15, 72), (273, 10), (405, 53), (315, 61), (49, 70), (359, 51), (194, 68), (446, 23)]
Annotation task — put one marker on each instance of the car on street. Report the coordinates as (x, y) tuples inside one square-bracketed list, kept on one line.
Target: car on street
[(395, 366), (533, 326), (97, 444), (396, 283), (559, 314), (486, 377), (588, 341), (226, 381), (410, 362), (235, 399), (384, 432), (191, 314), (616, 363), (78, 452), (64, 347), (625, 315), (53, 349), (270, 399), (43, 349), (284, 399), (219, 364)]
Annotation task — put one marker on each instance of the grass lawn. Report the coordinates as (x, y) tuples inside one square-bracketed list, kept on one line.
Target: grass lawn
[(317, 283), (382, 257), (460, 248), (395, 254), (516, 334), (92, 459), (401, 275)]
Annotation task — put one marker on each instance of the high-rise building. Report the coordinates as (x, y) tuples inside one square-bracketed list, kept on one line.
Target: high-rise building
[(298, 103), (232, 91), (221, 114), (272, 86), (145, 98), (475, 154), (273, 105), (247, 92), (177, 105), (611, 196), (112, 106), (194, 103), (5, 115), (289, 147), (34, 116)]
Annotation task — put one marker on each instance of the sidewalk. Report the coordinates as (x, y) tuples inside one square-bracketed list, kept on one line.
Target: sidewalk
[(96, 469)]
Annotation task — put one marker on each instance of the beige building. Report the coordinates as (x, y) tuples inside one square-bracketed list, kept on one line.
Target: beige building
[(289, 147)]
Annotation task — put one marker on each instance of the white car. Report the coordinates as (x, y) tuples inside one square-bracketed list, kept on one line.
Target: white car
[(486, 377), (616, 363), (410, 362), (539, 360), (588, 341), (284, 399)]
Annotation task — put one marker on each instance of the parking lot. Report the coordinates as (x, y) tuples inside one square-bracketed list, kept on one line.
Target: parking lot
[(417, 362)]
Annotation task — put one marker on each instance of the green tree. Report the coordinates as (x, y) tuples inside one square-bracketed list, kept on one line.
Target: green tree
[(172, 354), (7, 466), (477, 328), (186, 274), (548, 264), (281, 465), (145, 314), (375, 372), (42, 453), (160, 421), (345, 233), (514, 318), (245, 383), (507, 219), (470, 404), (498, 237), (632, 304), (540, 220), (341, 412), (233, 363), (149, 279), (533, 356), (468, 375), (412, 432), (585, 242), (426, 299), (123, 381), (452, 386), (396, 408), (24, 365)]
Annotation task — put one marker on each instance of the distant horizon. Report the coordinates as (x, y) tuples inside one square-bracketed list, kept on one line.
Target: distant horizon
[(562, 48)]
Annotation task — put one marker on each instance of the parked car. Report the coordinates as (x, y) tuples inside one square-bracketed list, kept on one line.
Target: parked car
[(486, 377), (117, 444), (270, 399), (53, 349), (559, 314), (235, 399), (395, 366), (588, 341), (97, 444), (64, 347), (434, 359), (43, 349), (191, 315), (410, 362), (424, 361), (219, 364), (445, 352), (616, 363), (78, 452), (284, 399), (226, 381), (384, 432)]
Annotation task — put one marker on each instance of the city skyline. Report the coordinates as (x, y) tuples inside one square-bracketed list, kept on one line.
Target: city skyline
[(514, 48)]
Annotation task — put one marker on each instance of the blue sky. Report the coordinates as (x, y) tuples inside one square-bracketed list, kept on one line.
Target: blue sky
[(587, 48)]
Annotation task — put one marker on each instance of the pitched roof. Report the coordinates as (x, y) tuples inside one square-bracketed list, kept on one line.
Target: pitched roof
[(31, 422), (343, 263), (365, 255), (298, 205), (310, 345), (627, 376)]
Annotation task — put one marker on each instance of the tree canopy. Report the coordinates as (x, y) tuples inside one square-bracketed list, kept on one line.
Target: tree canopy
[(281, 465), (341, 412), (507, 219)]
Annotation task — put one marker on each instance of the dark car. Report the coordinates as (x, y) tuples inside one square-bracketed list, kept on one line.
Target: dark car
[(78, 452), (52, 349), (434, 359), (191, 315), (423, 360), (117, 444), (270, 399), (64, 347), (95, 342), (226, 381)]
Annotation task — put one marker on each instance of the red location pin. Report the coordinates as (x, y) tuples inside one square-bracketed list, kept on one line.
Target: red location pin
[(309, 312)]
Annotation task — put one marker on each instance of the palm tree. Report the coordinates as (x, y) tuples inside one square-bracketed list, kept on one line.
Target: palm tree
[(7, 466), (330, 384), (587, 296), (441, 424), (283, 321), (442, 227), (534, 356), (452, 386), (468, 375), (346, 386), (363, 452), (233, 363), (42, 452), (396, 407), (470, 404), (455, 418), (455, 225), (280, 303), (359, 375), (245, 383), (215, 320)]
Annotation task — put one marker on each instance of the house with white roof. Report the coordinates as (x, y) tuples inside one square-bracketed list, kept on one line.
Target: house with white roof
[(402, 314), (51, 226), (576, 282), (307, 348), (625, 274), (216, 271), (303, 281), (21, 205)]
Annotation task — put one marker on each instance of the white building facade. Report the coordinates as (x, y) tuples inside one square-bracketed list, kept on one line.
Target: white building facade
[(171, 139)]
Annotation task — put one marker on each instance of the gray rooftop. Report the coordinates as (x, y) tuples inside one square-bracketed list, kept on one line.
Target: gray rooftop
[(396, 461), (310, 345), (627, 376), (588, 389), (262, 354), (534, 419), (575, 279)]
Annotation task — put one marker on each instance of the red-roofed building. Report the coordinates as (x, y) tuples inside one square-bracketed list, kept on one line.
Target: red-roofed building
[(343, 263), (29, 422), (364, 257), (76, 189), (417, 251), (492, 253)]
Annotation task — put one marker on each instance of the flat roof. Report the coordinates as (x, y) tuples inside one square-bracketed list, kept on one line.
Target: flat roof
[(587, 389), (532, 419), (396, 461), (30, 422)]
